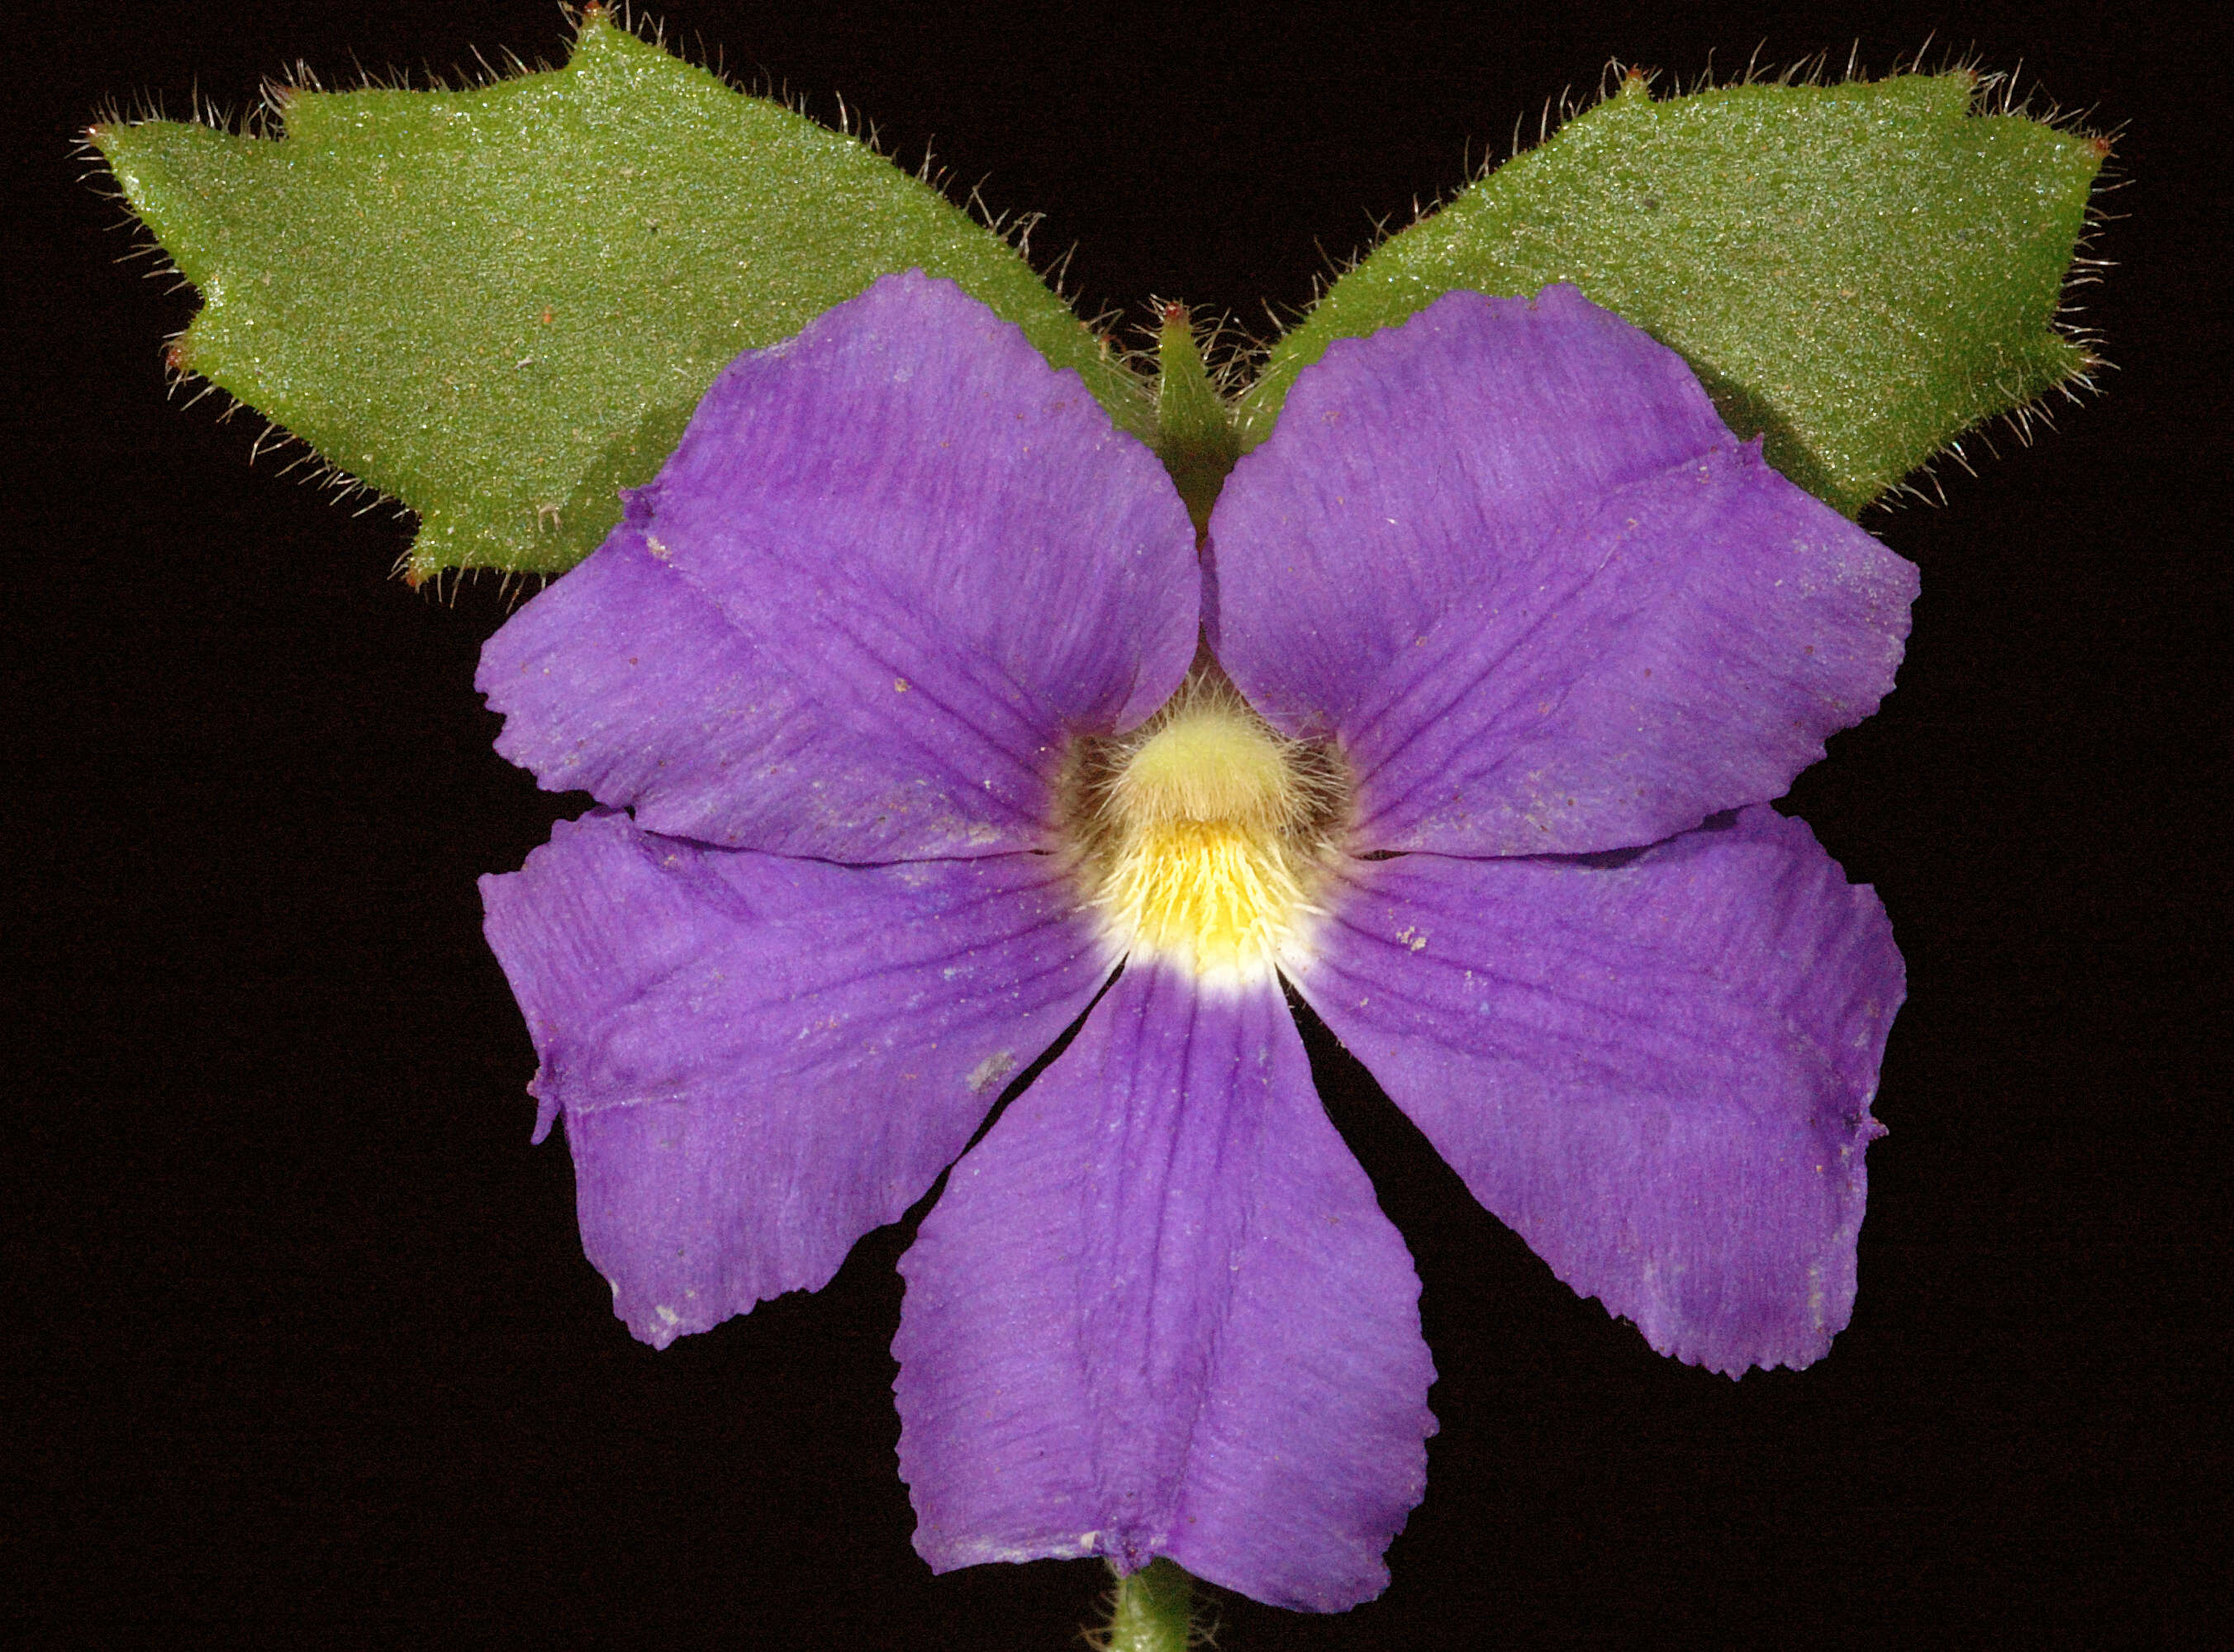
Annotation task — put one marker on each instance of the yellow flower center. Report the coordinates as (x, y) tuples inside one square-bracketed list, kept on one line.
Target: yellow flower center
[(1202, 838)]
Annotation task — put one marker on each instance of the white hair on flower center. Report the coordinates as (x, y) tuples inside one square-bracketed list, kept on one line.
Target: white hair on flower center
[(1202, 838)]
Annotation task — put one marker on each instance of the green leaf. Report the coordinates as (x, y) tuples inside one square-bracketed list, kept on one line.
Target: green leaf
[(501, 305), (1862, 271)]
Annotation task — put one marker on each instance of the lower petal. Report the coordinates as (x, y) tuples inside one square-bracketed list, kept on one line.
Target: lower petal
[(758, 1059), (1656, 1066), (1158, 1312)]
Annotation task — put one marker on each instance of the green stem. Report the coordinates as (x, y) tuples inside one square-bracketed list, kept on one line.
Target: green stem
[(1154, 1611)]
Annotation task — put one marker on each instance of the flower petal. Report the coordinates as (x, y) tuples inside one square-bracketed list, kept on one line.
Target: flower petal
[(1656, 1066), (1682, 650), (1157, 1311), (1410, 467), (892, 562), (1508, 553), (760, 1059)]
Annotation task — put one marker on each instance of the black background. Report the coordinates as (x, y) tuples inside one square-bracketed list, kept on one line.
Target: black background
[(302, 1345)]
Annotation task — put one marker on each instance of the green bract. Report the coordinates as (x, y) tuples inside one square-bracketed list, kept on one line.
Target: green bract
[(501, 305), (1863, 271)]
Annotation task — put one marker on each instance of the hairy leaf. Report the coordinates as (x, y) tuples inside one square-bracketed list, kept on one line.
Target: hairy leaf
[(1862, 271), (501, 305)]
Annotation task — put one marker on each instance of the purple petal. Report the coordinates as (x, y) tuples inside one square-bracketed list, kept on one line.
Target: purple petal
[(1508, 553), (760, 1059), (1157, 1311), (1655, 1067), (891, 564), (1410, 467), (1683, 649)]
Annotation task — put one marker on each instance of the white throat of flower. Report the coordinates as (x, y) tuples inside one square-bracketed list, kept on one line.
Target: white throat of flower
[(1203, 837)]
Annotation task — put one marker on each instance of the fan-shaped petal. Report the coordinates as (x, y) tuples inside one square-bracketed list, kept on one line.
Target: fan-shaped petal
[(1157, 1311), (759, 1059), (892, 563), (1656, 1066), (1507, 553)]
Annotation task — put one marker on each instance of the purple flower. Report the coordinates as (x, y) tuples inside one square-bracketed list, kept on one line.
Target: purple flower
[(930, 715)]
